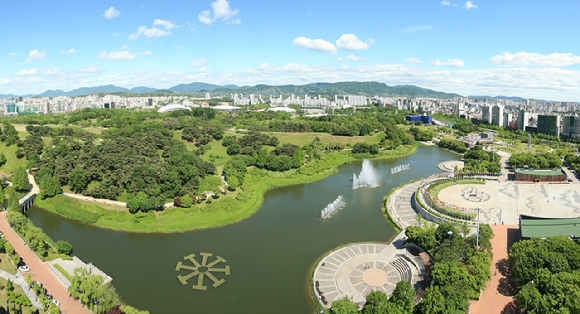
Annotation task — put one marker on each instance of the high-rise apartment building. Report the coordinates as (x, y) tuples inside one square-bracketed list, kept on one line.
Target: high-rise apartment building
[(497, 115), (507, 118), (486, 114), (523, 119), (571, 126), (549, 125)]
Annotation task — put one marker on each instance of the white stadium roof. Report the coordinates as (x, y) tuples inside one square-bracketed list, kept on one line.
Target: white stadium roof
[(282, 109), (172, 107)]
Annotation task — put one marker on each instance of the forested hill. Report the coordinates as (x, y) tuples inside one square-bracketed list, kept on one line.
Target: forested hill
[(341, 88), (314, 89)]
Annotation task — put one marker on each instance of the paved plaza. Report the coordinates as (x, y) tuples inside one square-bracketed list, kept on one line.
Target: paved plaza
[(356, 270), (507, 200)]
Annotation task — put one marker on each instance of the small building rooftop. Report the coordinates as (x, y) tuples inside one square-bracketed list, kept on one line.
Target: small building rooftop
[(538, 227), (541, 172)]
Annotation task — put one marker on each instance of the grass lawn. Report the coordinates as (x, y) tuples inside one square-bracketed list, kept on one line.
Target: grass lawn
[(6, 264), (64, 272), (12, 163), (190, 146), (434, 191), (17, 289), (217, 153)]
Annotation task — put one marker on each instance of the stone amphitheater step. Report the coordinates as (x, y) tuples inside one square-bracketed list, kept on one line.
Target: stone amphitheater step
[(326, 283)]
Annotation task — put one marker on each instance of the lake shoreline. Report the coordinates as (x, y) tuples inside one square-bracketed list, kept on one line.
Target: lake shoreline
[(179, 220)]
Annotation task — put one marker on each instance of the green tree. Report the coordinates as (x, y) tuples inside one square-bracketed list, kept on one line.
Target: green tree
[(186, 201), (63, 247), (403, 297), (2, 159), (20, 180), (131, 310), (2, 197), (9, 285), (228, 140), (49, 187), (344, 306), (433, 302), (13, 203), (78, 180), (53, 309), (378, 303), (234, 149)]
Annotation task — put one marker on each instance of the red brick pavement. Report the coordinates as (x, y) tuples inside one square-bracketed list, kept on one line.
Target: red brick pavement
[(497, 296), (40, 272)]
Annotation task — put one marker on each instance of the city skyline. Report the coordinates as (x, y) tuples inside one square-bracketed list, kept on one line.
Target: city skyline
[(464, 47)]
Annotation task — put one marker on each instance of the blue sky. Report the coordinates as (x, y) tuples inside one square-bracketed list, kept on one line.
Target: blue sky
[(478, 47)]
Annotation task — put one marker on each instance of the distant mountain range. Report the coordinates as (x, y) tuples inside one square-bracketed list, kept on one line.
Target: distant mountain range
[(324, 89), (182, 88)]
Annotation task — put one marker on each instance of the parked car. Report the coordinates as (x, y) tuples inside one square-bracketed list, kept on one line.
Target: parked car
[(55, 301), (48, 296), (23, 268)]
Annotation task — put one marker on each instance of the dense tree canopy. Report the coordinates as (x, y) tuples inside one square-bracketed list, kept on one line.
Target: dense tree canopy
[(549, 272), (542, 160)]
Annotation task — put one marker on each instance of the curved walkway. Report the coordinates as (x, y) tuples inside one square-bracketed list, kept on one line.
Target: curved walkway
[(356, 270), (399, 205), (40, 271), (103, 201)]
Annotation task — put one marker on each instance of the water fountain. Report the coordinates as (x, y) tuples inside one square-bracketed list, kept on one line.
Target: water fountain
[(332, 207), (368, 176), (400, 168)]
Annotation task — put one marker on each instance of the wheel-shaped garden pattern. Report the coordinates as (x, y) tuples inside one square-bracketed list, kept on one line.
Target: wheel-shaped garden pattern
[(212, 270)]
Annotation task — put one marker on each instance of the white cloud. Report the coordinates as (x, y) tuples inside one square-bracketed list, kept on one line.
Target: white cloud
[(53, 72), (418, 28), (198, 63), (166, 24), (221, 11), (351, 42), (88, 70), (527, 58), (445, 2), (315, 44), (111, 13), (122, 55), (154, 31), (13, 54), (454, 63), (205, 17), (30, 72), (61, 52), (414, 61), (125, 47), (35, 55), (469, 5), (149, 32), (72, 50), (352, 57)]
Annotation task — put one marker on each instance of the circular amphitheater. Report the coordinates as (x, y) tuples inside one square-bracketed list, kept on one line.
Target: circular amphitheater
[(356, 270)]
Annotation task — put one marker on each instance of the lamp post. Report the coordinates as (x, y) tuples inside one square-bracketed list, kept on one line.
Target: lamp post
[(477, 241)]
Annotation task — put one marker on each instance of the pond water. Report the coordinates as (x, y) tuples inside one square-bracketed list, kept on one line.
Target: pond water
[(269, 254)]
